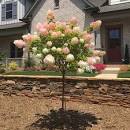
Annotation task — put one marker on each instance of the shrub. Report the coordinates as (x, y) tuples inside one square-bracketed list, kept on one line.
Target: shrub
[(2, 70), (99, 67), (12, 66), (1, 56), (126, 58), (29, 63)]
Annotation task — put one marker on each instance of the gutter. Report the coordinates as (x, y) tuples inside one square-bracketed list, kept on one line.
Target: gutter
[(92, 8), (96, 9), (31, 9), (88, 3)]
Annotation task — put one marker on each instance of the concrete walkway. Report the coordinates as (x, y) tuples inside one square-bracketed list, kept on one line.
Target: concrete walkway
[(110, 72)]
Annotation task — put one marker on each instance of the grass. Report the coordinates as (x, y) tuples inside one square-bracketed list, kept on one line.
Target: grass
[(124, 74), (49, 73)]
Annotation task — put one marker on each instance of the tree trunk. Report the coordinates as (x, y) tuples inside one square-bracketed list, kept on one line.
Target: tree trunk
[(29, 59), (63, 89)]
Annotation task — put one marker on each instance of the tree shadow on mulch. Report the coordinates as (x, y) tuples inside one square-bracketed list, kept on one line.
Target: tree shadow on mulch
[(64, 120)]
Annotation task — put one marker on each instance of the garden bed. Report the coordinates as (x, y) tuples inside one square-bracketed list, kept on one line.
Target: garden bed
[(124, 74), (18, 113), (49, 73), (106, 103)]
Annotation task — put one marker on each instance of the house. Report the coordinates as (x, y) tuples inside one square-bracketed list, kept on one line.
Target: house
[(115, 30), (11, 27), (113, 35)]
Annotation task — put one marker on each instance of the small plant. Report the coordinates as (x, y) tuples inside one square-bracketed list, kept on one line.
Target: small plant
[(2, 69), (99, 67), (126, 57), (1, 56), (2, 65), (29, 63), (12, 66)]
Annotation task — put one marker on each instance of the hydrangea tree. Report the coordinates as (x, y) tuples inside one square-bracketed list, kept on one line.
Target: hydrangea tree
[(64, 45)]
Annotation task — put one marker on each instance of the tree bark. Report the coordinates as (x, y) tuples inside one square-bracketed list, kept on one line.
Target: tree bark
[(63, 89)]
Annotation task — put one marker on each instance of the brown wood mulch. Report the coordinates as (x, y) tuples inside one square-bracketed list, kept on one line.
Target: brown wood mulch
[(19, 113)]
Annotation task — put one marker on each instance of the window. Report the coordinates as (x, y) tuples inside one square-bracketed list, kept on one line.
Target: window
[(56, 3), (114, 34), (15, 52), (9, 11)]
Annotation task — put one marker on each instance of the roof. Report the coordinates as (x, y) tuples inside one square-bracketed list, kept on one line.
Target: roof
[(98, 3), (116, 7), (15, 25), (100, 6), (104, 6), (29, 13)]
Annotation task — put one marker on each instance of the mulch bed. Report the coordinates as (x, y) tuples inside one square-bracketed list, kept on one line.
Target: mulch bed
[(24, 113)]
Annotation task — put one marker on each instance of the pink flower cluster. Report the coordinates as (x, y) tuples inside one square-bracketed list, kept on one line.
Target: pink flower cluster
[(96, 25), (49, 28), (28, 38), (20, 43), (66, 50), (87, 37), (50, 15), (99, 67), (73, 21)]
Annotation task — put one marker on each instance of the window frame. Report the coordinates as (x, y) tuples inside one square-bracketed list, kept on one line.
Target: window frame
[(56, 4), (15, 52), (8, 11), (5, 11)]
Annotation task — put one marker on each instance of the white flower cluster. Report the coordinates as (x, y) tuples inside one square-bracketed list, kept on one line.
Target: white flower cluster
[(83, 66)]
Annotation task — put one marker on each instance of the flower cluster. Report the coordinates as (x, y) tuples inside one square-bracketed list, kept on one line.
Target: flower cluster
[(95, 25), (63, 44), (26, 40)]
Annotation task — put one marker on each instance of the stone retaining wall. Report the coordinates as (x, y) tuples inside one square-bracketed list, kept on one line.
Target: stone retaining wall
[(110, 92)]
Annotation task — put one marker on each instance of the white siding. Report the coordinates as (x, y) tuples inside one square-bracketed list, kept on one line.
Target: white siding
[(20, 11), (112, 2)]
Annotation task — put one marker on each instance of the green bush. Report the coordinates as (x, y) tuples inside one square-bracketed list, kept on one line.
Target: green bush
[(12, 66), (2, 68), (29, 63), (126, 57)]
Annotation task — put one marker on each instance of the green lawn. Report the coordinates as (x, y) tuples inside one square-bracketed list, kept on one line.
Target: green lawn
[(124, 74), (49, 73)]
